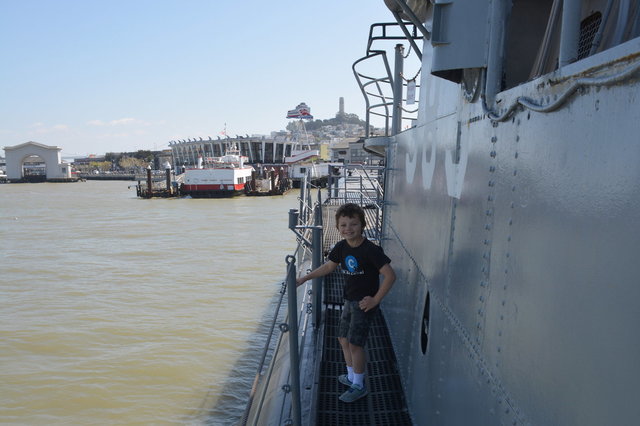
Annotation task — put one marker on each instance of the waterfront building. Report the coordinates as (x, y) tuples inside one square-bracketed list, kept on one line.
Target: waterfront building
[(33, 161), (258, 149)]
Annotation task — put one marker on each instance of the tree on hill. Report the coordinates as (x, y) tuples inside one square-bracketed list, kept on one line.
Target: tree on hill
[(339, 119), (132, 163)]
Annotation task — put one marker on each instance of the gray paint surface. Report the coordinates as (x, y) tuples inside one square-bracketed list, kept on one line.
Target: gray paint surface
[(527, 248)]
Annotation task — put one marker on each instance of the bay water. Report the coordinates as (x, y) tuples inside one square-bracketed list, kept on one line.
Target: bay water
[(120, 310)]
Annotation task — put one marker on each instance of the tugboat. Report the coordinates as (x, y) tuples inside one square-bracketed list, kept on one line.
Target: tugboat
[(217, 177)]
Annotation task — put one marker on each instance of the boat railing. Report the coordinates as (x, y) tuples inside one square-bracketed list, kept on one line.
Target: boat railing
[(306, 223), (361, 184), (382, 89)]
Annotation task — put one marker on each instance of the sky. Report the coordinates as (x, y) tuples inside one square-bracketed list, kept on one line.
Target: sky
[(97, 76)]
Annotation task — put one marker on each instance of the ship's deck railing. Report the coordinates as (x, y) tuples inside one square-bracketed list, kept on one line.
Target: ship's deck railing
[(382, 89), (306, 222), (359, 184), (363, 185)]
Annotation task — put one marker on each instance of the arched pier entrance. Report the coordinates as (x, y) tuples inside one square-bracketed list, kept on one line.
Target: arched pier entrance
[(35, 162)]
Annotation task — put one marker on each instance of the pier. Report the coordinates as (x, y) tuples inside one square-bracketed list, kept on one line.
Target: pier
[(157, 185), (300, 386)]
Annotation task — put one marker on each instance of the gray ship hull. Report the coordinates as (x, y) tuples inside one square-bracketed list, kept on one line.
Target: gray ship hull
[(521, 237)]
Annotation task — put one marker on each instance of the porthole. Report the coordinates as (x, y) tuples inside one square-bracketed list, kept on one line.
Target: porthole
[(424, 335)]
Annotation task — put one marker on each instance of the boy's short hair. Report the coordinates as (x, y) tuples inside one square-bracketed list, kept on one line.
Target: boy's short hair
[(351, 210)]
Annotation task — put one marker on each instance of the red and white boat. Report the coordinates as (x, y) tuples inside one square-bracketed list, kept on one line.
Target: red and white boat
[(216, 177)]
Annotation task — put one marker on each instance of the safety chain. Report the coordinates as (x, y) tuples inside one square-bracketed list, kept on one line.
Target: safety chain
[(411, 79)]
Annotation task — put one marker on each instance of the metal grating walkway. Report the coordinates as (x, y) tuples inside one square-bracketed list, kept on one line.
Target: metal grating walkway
[(385, 404)]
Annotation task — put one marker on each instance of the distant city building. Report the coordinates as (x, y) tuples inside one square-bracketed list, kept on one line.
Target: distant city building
[(357, 154), (339, 151)]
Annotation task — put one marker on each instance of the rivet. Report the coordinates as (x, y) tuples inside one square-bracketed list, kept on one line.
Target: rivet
[(493, 154), (516, 155), (492, 168), (494, 139)]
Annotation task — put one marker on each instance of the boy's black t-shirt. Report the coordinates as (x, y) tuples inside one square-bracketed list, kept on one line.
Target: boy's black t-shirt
[(361, 265)]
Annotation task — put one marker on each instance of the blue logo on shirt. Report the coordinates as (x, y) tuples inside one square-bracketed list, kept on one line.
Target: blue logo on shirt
[(351, 263)]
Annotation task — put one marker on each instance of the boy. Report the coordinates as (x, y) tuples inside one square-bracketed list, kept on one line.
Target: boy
[(361, 262)]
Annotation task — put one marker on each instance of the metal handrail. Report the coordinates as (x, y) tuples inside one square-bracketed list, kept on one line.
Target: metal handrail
[(307, 223)]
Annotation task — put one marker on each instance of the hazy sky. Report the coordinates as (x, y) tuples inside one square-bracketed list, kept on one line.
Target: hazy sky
[(95, 76)]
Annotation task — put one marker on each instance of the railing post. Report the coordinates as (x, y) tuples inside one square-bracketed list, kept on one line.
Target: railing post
[(293, 340), (319, 210), (316, 284), (346, 175), (396, 121), (303, 185)]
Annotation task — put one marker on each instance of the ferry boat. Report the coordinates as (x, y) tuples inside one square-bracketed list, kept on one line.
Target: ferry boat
[(217, 177), (511, 213)]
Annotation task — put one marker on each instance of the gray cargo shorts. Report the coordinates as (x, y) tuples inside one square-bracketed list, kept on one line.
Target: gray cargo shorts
[(355, 323)]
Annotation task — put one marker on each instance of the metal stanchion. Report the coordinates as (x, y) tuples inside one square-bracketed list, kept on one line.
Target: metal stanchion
[(316, 283), (293, 340)]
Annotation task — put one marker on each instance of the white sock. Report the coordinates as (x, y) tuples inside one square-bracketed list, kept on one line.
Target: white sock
[(350, 373), (358, 379)]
